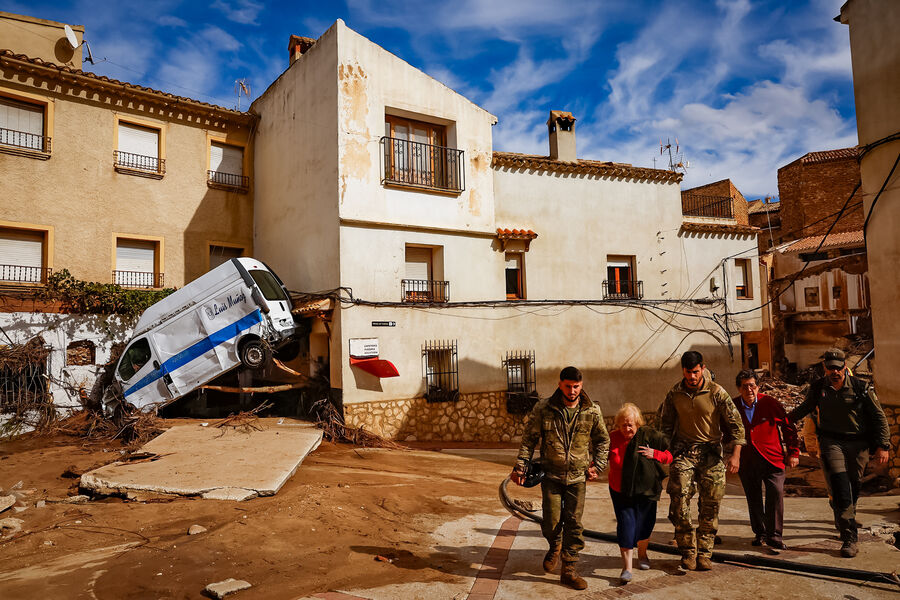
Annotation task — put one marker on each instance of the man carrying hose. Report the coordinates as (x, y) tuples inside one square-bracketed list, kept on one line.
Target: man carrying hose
[(574, 447)]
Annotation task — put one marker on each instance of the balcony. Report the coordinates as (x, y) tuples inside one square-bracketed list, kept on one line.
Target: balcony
[(714, 207), (623, 290), (424, 166), (138, 279), (20, 142), (137, 164), (228, 181), (425, 291), (21, 274)]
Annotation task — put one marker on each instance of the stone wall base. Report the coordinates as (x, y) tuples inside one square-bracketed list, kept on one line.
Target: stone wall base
[(893, 418)]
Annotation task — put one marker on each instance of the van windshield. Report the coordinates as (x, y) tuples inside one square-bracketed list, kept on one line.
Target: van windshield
[(134, 358), (268, 285)]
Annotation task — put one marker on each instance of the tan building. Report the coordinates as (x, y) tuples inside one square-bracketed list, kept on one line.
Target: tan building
[(112, 181), (876, 83)]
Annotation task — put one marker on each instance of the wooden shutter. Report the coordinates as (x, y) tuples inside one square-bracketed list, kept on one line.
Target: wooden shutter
[(226, 159), (17, 118), (418, 263), (143, 141), (135, 255)]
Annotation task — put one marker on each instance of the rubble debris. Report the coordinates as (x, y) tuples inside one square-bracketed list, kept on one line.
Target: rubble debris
[(246, 421), (7, 501), (223, 588), (195, 529), (10, 526), (334, 430), (230, 493), (526, 505), (78, 499), (40, 504), (25, 398), (381, 558), (71, 472)]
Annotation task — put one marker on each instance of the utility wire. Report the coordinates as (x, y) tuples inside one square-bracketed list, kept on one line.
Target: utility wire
[(878, 195)]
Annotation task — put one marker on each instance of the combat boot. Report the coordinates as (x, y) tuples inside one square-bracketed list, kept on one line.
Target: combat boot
[(571, 578), (688, 561), (551, 559), (704, 563)]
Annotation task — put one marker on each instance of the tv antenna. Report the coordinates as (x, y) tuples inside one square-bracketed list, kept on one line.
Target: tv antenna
[(241, 87), (73, 41), (677, 162)]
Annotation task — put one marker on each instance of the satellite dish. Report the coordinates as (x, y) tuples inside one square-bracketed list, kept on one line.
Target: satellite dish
[(70, 35)]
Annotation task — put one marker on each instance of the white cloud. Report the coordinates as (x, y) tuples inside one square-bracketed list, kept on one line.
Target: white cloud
[(244, 12), (171, 21)]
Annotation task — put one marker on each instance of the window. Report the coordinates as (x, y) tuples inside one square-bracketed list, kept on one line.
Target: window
[(22, 125), (415, 154), (81, 352), (23, 254), (836, 292), (420, 284), (743, 278), (137, 263), (26, 384), (222, 254), (521, 393), (515, 276), (441, 367), (811, 296), (138, 150), (620, 283), (269, 286), (137, 355), (811, 256), (226, 167)]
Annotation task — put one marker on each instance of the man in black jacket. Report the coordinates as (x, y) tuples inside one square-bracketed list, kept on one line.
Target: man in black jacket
[(851, 423)]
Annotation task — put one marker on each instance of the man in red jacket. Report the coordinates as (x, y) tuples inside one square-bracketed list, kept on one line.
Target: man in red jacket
[(770, 439)]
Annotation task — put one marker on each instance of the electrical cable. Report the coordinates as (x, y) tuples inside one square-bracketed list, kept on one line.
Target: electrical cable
[(878, 195)]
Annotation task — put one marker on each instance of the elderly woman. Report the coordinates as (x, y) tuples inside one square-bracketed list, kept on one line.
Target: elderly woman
[(635, 482)]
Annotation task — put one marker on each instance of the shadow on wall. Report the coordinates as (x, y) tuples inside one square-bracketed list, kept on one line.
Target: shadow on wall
[(221, 216)]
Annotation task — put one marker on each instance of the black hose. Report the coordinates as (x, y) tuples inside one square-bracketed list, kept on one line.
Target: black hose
[(741, 559)]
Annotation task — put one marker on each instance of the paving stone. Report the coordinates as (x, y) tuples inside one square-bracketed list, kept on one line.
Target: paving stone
[(223, 588)]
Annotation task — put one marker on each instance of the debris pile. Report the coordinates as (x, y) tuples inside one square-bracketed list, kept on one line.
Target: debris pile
[(790, 396), (335, 430), (25, 398)]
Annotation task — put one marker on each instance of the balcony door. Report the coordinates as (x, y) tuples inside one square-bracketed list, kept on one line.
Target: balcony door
[(619, 276), (415, 151)]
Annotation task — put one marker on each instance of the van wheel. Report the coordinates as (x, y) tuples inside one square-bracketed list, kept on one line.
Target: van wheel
[(254, 354)]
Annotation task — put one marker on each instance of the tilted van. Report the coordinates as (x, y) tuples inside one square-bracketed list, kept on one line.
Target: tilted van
[(234, 315)]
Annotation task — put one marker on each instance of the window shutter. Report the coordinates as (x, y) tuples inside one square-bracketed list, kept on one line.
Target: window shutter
[(142, 141), (18, 117), (23, 249), (418, 263), (226, 159), (135, 255)]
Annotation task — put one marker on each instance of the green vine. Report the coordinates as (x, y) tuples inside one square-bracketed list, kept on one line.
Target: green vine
[(88, 297)]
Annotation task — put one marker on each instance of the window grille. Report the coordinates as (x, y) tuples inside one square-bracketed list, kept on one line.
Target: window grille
[(440, 364), (24, 385), (521, 391)]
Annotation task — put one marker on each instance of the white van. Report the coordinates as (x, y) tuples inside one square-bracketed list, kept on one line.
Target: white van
[(234, 314)]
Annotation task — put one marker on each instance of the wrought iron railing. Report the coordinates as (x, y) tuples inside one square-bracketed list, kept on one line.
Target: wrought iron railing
[(441, 365), (623, 289), (22, 274), (26, 141), (138, 279), (240, 182), (425, 290), (139, 162), (421, 165), (521, 391), (698, 205)]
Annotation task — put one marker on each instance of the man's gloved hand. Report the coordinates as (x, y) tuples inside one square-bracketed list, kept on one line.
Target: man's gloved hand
[(517, 476)]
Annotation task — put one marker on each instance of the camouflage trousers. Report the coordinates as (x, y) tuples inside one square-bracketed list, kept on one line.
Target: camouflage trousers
[(699, 464), (562, 506)]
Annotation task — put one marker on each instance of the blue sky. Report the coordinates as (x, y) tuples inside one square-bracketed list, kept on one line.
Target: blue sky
[(746, 86)]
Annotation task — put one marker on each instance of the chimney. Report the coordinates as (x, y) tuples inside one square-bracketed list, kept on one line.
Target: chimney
[(561, 126), (297, 46)]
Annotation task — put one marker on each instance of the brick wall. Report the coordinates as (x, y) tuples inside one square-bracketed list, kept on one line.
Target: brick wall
[(811, 190), (725, 188)]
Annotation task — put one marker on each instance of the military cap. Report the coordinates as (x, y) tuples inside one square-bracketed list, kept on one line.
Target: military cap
[(834, 358)]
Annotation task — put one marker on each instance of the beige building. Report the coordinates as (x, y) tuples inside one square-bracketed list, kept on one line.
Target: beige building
[(112, 181), (476, 274)]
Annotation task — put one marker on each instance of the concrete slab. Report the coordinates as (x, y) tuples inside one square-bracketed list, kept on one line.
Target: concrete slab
[(219, 463)]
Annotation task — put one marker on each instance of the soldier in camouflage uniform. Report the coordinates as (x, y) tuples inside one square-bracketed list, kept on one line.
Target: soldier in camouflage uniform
[(574, 447), (694, 415)]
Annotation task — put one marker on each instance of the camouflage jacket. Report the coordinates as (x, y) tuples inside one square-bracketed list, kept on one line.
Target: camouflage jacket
[(566, 452), (699, 417)]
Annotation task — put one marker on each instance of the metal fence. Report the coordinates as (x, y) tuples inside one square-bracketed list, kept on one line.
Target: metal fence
[(425, 290), (698, 205), (26, 141), (138, 162), (241, 182), (422, 165), (521, 390), (441, 366), (22, 274), (622, 289), (138, 279)]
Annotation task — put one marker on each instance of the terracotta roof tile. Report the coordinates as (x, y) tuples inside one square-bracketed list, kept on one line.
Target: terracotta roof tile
[(9, 56), (829, 155), (760, 207), (515, 160), (719, 228), (516, 234), (845, 239)]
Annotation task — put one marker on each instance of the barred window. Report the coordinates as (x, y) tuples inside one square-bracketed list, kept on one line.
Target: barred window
[(23, 383), (441, 367), (521, 391)]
